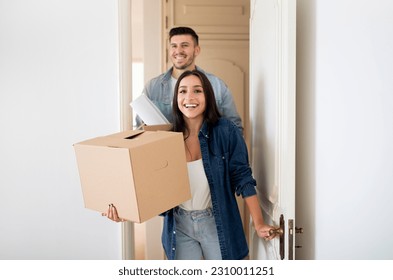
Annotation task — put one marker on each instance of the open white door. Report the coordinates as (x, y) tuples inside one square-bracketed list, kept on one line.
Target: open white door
[(272, 117)]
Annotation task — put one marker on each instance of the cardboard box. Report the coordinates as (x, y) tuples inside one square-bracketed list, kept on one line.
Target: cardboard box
[(157, 127), (143, 173)]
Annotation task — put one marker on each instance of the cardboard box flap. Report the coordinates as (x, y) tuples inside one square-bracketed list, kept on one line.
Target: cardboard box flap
[(126, 134), (118, 140), (163, 127), (102, 140)]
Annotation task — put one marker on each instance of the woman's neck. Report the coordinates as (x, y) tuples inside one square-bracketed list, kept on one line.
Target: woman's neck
[(191, 140), (193, 126)]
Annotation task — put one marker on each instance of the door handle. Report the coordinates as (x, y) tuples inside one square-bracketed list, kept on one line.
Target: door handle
[(276, 231), (281, 232)]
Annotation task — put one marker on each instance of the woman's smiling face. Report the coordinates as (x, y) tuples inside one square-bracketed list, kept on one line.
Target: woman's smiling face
[(191, 97)]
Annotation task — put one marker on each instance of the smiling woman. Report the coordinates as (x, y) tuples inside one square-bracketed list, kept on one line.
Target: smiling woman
[(209, 225), (217, 155)]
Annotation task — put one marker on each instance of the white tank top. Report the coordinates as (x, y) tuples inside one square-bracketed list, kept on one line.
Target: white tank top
[(200, 191)]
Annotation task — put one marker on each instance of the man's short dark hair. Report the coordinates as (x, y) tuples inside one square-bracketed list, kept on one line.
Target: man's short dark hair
[(182, 30)]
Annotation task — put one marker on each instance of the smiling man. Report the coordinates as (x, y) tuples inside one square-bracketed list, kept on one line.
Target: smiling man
[(183, 50)]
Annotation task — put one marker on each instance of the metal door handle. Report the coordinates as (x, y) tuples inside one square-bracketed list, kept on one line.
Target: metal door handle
[(277, 231), (280, 231)]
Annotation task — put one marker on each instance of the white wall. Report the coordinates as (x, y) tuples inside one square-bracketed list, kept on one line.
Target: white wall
[(345, 155), (58, 86)]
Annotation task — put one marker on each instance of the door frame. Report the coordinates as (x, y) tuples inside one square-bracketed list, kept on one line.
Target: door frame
[(125, 91), (286, 139)]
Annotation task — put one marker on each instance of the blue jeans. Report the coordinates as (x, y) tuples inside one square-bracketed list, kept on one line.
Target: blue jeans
[(196, 235)]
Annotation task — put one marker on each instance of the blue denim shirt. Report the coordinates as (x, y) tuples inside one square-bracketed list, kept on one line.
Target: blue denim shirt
[(225, 160), (160, 92)]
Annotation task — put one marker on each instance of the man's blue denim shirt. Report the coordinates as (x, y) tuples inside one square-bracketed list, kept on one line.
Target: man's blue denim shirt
[(157, 90), (225, 160)]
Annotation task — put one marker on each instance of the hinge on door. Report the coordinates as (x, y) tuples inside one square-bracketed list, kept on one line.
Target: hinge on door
[(166, 22)]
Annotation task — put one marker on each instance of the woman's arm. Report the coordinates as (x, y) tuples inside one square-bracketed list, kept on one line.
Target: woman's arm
[(262, 229)]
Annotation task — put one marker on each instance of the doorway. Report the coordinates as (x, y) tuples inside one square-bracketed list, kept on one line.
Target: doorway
[(279, 75)]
